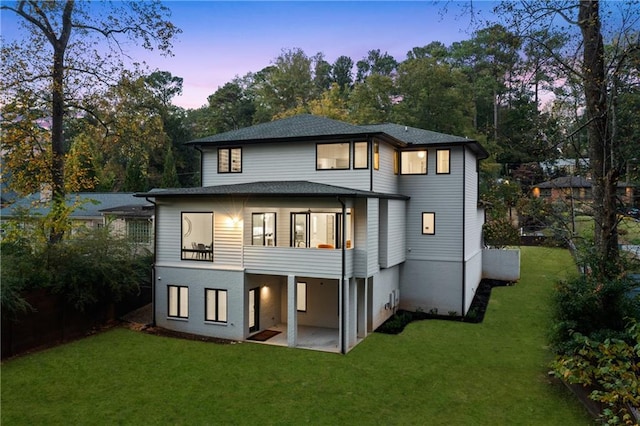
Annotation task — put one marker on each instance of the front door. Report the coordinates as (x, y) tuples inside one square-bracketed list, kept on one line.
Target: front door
[(254, 310)]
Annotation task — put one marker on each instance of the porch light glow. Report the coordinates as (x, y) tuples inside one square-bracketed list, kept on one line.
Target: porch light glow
[(233, 221)]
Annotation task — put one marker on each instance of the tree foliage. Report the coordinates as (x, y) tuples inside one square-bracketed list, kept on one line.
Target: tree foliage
[(71, 50)]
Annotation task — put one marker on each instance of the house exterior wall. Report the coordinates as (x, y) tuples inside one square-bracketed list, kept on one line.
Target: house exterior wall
[(281, 162), (385, 282), (392, 232), (385, 179), (429, 285), (197, 280), (432, 275)]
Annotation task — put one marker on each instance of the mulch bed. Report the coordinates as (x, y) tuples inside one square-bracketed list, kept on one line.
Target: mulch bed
[(400, 319)]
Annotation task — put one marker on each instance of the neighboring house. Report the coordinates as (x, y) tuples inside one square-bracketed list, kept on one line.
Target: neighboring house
[(578, 189), (318, 229), (94, 209), (565, 166)]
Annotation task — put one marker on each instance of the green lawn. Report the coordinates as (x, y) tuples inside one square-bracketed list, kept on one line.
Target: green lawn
[(628, 229), (435, 372)]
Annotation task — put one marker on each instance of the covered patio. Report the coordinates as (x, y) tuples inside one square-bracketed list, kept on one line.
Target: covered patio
[(315, 338)]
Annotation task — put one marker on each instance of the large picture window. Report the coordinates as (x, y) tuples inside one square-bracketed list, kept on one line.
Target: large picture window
[(413, 162), (197, 236), (360, 155), (263, 227), (215, 305), (333, 156), (442, 161), (230, 160), (178, 301)]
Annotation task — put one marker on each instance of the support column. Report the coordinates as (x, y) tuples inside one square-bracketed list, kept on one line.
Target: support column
[(292, 312)]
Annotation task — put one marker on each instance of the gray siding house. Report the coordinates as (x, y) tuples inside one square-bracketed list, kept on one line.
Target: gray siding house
[(318, 231)]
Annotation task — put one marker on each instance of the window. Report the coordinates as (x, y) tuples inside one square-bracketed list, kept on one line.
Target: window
[(178, 301), (197, 236), (414, 162), (376, 155), (332, 156), (215, 305), (360, 155), (264, 229), (139, 231), (301, 298), (442, 161), (230, 160), (319, 230), (396, 162), (428, 223)]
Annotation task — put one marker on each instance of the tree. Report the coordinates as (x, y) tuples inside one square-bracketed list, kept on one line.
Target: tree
[(538, 22), (341, 73), (69, 50), (375, 63)]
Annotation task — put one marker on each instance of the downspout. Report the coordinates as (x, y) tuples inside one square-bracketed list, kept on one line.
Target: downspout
[(343, 345), (464, 228), (201, 160), (153, 267)]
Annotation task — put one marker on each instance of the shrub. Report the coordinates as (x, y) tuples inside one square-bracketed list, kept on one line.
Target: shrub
[(611, 367), (592, 308), (500, 233), (89, 267)]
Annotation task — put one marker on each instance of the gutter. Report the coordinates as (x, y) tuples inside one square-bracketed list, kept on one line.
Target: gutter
[(343, 343), (153, 266)]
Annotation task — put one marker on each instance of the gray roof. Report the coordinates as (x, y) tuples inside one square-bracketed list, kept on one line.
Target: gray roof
[(297, 127), (91, 204), (313, 127), (573, 182), (271, 189)]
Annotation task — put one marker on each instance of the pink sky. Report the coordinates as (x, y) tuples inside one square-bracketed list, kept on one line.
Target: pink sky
[(221, 40)]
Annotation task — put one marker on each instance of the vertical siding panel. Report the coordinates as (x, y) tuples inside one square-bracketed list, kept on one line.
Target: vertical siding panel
[(384, 179), (372, 236)]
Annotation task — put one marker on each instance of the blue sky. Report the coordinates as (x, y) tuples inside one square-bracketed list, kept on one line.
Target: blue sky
[(221, 40)]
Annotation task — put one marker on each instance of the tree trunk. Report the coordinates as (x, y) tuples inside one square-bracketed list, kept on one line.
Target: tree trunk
[(605, 177)]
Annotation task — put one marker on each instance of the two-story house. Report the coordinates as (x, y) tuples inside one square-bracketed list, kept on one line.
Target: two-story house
[(319, 230)]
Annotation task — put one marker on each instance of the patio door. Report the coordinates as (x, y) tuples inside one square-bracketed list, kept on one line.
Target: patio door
[(254, 310)]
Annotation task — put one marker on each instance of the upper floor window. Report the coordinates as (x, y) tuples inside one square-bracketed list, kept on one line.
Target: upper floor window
[(360, 155), (197, 236), (413, 162), (333, 156), (376, 155), (230, 160), (263, 227), (319, 230), (442, 161)]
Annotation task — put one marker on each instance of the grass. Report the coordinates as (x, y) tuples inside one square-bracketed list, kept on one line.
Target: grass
[(435, 372), (628, 229)]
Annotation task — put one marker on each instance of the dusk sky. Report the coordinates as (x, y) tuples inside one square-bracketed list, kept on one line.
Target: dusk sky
[(221, 40)]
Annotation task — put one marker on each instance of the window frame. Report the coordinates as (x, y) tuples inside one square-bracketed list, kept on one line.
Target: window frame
[(187, 253), (396, 162), (217, 293), (229, 168), (428, 217), (366, 155), (179, 313), (139, 231), (348, 167), (438, 152), (264, 234), (416, 151)]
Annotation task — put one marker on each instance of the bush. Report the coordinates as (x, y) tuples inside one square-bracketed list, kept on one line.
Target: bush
[(87, 268), (611, 367), (500, 233), (592, 308)]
